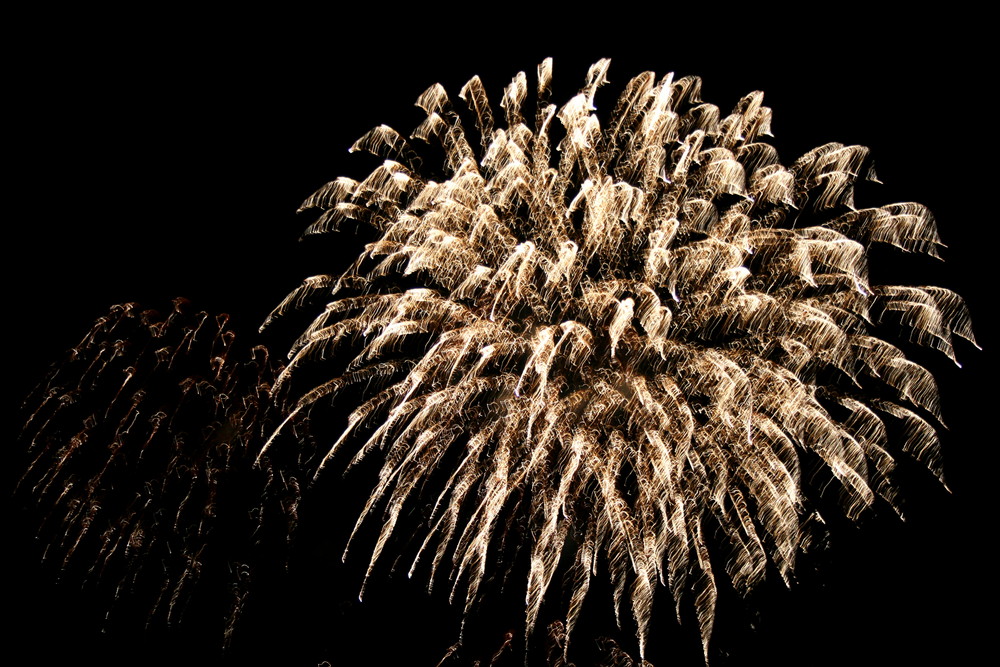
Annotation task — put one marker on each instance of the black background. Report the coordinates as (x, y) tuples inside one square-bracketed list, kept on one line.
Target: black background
[(168, 158)]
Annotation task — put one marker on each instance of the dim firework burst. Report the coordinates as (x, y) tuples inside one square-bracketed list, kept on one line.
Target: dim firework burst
[(626, 350), (141, 446)]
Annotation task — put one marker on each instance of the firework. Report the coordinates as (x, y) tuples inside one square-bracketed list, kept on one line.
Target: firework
[(613, 343), (581, 352), (141, 446)]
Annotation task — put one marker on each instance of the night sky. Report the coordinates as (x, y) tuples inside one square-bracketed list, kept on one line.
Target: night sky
[(168, 160)]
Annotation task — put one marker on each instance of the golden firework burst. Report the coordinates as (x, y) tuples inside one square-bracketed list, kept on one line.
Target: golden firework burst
[(626, 333)]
